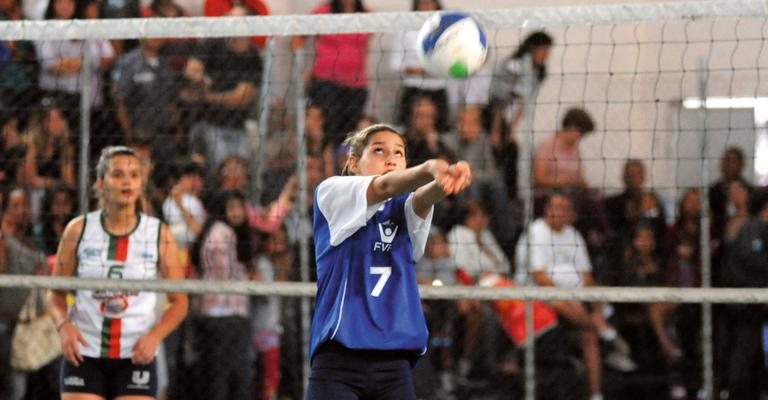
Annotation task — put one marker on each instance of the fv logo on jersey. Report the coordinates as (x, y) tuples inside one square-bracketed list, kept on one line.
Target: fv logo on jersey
[(387, 232)]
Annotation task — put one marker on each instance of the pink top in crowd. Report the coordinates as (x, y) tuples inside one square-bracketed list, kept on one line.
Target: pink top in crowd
[(564, 163), (340, 58)]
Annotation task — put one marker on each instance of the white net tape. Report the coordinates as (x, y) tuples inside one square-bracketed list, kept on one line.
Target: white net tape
[(283, 25)]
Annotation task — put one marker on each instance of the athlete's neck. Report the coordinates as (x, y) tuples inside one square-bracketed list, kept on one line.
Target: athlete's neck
[(120, 220)]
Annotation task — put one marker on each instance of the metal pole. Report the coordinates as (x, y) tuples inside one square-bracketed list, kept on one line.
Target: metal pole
[(525, 188), (301, 171), (85, 124), (706, 262), (258, 141)]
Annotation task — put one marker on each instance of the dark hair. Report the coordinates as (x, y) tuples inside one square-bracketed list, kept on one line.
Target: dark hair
[(192, 168), (49, 235), (336, 6), (217, 212), (737, 151), (578, 119), (532, 41), (356, 141), (415, 5)]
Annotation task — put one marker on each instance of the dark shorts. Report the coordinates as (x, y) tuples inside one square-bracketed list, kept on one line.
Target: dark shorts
[(109, 378), (342, 374)]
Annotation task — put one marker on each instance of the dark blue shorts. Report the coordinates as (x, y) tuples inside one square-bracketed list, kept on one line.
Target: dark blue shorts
[(109, 378), (340, 373)]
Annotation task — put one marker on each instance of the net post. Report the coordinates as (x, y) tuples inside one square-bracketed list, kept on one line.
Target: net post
[(258, 140), (706, 262), (85, 124), (297, 73)]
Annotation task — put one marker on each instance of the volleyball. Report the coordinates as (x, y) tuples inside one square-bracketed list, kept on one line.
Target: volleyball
[(452, 45)]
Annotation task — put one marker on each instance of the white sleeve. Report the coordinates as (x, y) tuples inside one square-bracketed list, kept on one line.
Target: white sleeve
[(541, 248), (343, 202), (418, 228)]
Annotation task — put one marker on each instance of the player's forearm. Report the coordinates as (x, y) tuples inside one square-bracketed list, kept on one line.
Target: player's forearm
[(426, 197), (396, 183), (172, 316)]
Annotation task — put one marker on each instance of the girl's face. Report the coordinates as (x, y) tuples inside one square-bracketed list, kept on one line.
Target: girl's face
[(540, 55), (644, 242), (426, 5), (235, 212), (61, 206), (384, 152), (123, 181), (55, 123), (437, 247), (64, 9), (233, 175), (691, 207)]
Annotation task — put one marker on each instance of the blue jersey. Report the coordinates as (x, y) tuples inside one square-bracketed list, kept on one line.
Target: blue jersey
[(367, 294)]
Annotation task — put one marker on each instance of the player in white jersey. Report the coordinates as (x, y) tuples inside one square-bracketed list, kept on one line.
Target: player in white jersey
[(110, 338)]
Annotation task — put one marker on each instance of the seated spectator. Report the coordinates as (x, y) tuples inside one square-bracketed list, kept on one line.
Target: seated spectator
[(636, 204), (553, 253), (183, 210), (233, 175), (473, 245), (642, 267), (59, 207), (49, 159), (16, 220), (13, 151), (423, 139), (683, 269), (470, 142)]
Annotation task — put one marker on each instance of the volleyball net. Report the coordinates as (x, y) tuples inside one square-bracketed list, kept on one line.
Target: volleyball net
[(676, 96)]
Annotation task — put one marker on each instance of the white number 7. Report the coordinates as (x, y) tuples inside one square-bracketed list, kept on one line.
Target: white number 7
[(385, 273)]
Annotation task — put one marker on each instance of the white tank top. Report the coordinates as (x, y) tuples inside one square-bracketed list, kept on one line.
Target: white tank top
[(112, 321)]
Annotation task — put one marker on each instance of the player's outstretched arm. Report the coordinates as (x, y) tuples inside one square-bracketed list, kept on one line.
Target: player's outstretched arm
[(448, 179)]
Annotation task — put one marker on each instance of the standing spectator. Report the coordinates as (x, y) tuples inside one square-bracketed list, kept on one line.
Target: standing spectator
[(524, 70), (224, 251), (145, 97), (217, 8), (731, 169), (558, 257), (228, 72), (748, 267), (338, 79), (416, 80), (62, 60)]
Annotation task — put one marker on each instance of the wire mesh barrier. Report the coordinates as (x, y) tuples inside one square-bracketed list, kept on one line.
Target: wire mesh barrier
[(617, 152)]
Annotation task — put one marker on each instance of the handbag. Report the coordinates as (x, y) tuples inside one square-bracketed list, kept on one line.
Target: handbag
[(35, 340)]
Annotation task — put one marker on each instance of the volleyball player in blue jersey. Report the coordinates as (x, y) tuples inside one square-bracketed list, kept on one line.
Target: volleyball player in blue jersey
[(369, 328)]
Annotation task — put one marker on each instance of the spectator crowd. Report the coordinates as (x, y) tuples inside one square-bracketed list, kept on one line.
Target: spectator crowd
[(184, 106)]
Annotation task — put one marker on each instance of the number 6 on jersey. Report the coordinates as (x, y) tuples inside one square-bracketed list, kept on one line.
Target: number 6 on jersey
[(385, 273)]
